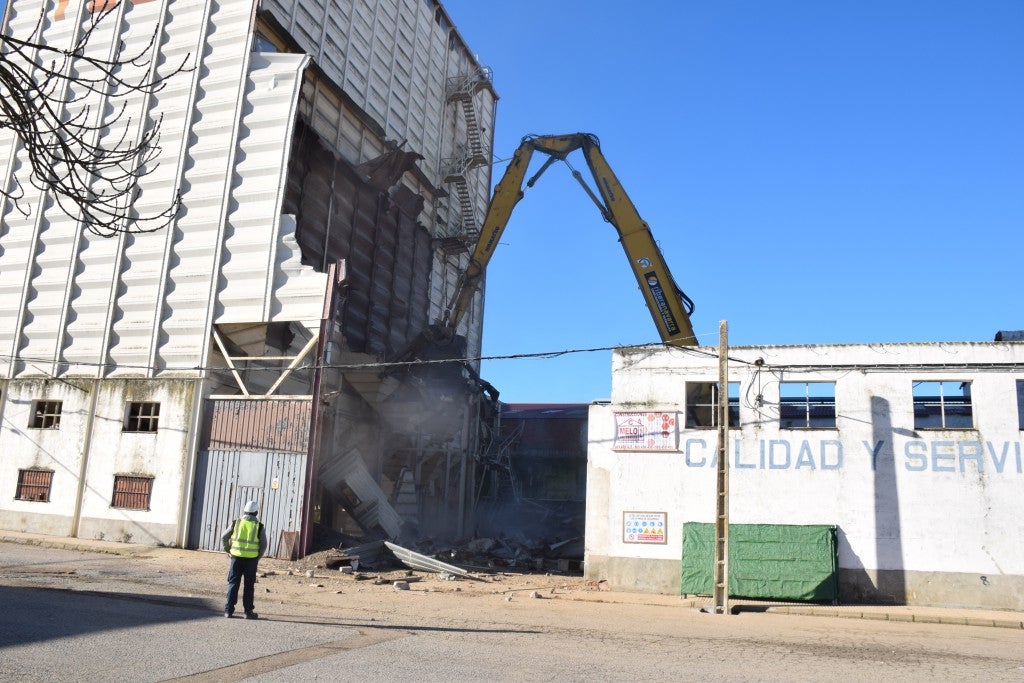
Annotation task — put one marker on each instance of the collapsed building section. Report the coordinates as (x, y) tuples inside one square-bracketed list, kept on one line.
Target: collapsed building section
[(333, 165)]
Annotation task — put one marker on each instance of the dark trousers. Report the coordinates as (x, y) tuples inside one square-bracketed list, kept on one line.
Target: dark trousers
[(242, 568)]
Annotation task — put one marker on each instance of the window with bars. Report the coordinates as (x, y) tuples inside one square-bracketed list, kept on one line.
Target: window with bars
[(131, 492), (807, 405), (943, 404), (34, 485), (142, 416), (702, 404), (45, 414)]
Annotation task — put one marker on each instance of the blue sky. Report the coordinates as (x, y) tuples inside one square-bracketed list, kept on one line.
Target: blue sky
[(815, 172)]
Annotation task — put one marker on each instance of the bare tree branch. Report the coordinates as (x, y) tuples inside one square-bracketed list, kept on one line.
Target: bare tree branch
[(69, 109)]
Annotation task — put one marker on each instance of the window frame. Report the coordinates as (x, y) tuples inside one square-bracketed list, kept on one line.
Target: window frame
[(808, 403), (1020, 404), (692, 419), (125, 493), (22, 485), (945, 405), (46, 414), (133, 417)]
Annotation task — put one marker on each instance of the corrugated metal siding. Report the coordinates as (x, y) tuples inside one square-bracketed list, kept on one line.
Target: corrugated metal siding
[(257, 425), (195, 253), (388, 55), (250, 450), (143, 268), (252, 235), (73, 297), (228, 479), (387, 253)]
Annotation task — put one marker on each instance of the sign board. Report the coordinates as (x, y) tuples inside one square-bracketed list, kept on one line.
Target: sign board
[(654, 431), (645, 527)]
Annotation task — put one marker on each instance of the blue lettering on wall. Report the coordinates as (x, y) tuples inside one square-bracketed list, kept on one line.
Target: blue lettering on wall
[(836, 462), (805, 458), (920, 458), (999, 460), (918, 455), (776, 461), (943, 451), (971, 450), (687, 448), (873, 451), (746, 465)]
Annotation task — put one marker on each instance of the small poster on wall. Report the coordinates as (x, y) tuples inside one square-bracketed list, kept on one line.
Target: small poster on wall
[(644, 527), (645, 432)]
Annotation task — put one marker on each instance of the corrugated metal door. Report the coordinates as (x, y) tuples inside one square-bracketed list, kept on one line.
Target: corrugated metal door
[(251, 450)]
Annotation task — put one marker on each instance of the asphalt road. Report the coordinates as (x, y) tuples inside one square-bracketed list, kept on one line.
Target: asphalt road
[(72, 616)]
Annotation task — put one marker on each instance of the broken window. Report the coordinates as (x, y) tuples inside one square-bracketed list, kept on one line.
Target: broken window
[(142, 416), (702, 404), (131, 492), (943, 404), (45, 415), (807, 405), (34, 485)]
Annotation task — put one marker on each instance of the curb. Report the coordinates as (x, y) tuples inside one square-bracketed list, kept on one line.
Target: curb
[(900, 617), (123, 549)]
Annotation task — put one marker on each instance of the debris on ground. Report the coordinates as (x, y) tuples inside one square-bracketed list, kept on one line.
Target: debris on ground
[(425, 563)]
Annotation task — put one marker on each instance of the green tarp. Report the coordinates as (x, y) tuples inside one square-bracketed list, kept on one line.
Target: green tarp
[(766, 561)]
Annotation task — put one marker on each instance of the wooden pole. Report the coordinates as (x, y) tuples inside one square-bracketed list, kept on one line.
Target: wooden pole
[(721, 578)]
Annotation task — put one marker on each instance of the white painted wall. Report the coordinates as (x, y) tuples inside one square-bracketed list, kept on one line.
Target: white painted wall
[(918, 501), (91, 432)]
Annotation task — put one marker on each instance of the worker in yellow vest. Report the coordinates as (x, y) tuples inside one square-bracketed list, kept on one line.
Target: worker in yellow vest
[(246, 541)]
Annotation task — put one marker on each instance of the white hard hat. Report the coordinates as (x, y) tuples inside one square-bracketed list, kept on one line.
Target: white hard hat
[(251, 507)]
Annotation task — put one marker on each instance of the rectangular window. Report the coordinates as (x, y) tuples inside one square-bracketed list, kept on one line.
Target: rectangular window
[(142, 417), (942, 405), (131, 493), (702, 404), (45, 414), (807, 405), (34, 485), (1020, 403)]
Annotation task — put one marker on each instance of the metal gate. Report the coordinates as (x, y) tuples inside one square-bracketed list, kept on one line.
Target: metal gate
[(251, 449)]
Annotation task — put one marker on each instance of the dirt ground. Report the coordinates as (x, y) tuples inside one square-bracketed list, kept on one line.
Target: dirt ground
[(316, 573)]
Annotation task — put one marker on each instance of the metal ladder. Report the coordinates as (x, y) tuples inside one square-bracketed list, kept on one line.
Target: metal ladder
[(461, 89)]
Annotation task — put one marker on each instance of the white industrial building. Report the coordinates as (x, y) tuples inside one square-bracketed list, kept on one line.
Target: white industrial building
[(912, 451), (333, 162)]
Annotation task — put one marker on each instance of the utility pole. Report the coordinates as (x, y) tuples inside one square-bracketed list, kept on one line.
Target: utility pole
[(721, 573)]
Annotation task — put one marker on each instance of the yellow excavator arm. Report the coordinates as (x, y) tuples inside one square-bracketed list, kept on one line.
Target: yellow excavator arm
[(669, 306)]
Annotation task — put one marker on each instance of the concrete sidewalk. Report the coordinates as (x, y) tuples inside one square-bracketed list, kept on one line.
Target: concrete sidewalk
[(903, 613)]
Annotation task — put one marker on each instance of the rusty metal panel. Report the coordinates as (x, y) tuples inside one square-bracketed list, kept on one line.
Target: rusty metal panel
[(257, 425)]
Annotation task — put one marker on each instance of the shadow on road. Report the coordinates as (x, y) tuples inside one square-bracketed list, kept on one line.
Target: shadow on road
[(39, 614), (34, 614)]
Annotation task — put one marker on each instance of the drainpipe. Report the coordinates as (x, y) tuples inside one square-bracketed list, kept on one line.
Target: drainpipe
[(90, 420), (192, 451)]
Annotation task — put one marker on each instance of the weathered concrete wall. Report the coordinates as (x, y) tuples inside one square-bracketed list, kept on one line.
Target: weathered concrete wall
[(88, 449), (924, 515)]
